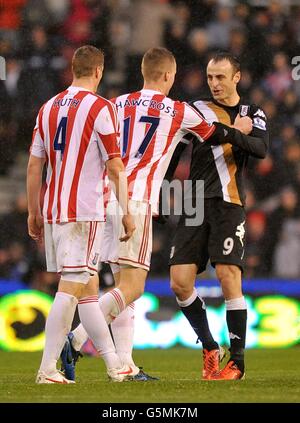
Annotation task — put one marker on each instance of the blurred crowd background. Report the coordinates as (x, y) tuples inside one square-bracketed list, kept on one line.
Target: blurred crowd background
[(38, 38)]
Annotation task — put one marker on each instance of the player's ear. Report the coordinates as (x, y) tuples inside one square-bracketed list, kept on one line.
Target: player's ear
[(99, 71), (237, 77)]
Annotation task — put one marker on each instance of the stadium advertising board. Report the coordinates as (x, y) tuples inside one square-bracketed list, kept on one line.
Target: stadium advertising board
[(273, 316)]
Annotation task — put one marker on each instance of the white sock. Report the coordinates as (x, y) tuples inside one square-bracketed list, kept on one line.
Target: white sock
[(236, 304), (80, 337), (94, 323), (112, 304), (58, 325), (80, 334), (123, 331), (188, 301)]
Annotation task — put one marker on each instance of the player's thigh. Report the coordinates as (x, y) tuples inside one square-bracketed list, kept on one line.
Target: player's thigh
[(112, 233), (78, 246), (132, 282), (136, 252), (50, 248), (92, 288), (190, 245), (227, 234)]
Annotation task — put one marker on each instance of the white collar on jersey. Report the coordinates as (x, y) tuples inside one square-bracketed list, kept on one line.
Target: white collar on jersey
[(73, 88), (150, 91)]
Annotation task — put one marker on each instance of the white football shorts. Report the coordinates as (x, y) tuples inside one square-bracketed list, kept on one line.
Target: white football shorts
[(73, 246), (137, 250)]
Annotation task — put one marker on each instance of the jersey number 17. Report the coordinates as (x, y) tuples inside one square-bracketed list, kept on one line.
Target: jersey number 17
[(153, 125)]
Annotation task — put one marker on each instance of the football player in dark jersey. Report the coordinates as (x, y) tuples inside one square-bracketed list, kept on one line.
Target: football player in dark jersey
[(221, 236)]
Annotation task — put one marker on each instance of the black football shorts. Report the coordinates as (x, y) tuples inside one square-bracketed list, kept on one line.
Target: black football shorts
[(220, 238)]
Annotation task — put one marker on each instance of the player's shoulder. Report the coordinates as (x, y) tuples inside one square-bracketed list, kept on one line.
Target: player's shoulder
[(54, 99), (258, 117), (200, 103), (101, 100), (127, 97), (201, 100), (121, 97), (186, 104), (257, 111)]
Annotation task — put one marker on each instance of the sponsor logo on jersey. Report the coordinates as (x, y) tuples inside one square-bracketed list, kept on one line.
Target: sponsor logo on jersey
[(260, 113), (259, 123)]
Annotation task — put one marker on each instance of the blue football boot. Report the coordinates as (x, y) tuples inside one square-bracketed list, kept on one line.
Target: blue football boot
[(143, 377), (69, 356)]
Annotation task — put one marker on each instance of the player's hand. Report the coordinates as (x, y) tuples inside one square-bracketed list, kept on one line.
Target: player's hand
[(243, 124), (129, 227), (36, 227)]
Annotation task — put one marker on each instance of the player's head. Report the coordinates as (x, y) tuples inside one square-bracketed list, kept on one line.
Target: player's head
[(223, 75), (159, 69), (88, 64)]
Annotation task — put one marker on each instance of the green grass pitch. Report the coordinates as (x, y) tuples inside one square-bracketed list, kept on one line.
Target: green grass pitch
[(271, 376)]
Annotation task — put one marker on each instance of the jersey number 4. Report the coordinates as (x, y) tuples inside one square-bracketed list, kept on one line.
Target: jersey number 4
[(60, 135), (153, 124)]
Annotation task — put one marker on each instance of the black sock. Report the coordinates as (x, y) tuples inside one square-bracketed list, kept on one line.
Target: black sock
[(196, 315), (237, 322)]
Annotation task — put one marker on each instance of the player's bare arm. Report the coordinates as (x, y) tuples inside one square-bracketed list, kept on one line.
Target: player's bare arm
[(34, 182), (118, 179)]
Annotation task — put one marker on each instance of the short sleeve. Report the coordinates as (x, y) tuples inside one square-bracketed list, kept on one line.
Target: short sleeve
[(193, 122), (37, 147), (107, 129)]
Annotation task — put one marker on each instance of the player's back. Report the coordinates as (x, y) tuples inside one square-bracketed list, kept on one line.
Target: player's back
[(150, 124), (74, 127)]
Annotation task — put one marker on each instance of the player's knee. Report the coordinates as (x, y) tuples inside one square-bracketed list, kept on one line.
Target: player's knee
[(228, 273), (139, 291), (131, 292), (178, 286)]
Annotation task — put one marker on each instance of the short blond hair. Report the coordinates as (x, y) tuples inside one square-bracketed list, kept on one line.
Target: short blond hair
[(155, 63), (85, 60)]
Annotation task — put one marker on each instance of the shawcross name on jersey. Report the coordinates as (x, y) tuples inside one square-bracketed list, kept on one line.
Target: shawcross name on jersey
[(146, 102)]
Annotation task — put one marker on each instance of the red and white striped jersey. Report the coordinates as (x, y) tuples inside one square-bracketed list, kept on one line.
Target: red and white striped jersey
[(151, 126), (77, 132)]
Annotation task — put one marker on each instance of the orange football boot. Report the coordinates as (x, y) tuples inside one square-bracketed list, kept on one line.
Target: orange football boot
[(230, 372), (211, 361)]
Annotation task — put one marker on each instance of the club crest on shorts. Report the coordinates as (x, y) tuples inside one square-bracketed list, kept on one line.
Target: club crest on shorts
[(95, 259)]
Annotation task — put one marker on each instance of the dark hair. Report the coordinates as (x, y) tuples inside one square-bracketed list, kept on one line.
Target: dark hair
[(234, 61), (154, 61), (85, 60)]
